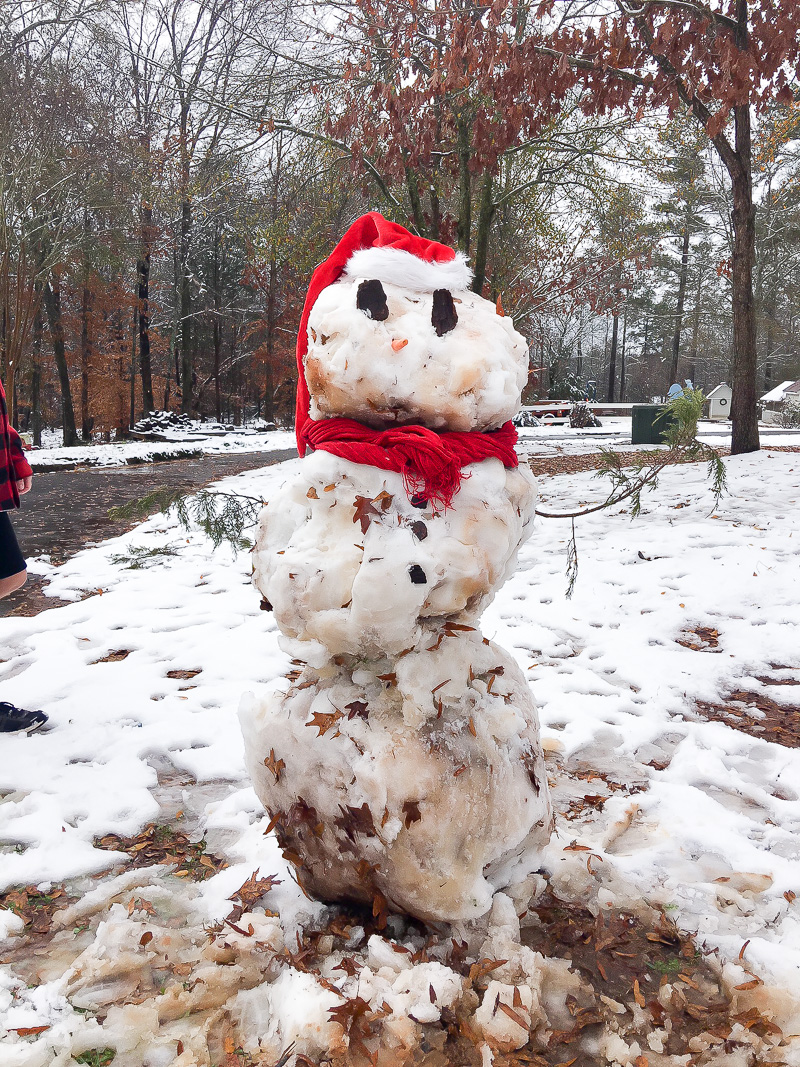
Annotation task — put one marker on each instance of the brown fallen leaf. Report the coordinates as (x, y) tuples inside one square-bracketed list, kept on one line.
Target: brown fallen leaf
[(274, 765), (482, 968), (365, 511), (324, 720), (513, 1015)]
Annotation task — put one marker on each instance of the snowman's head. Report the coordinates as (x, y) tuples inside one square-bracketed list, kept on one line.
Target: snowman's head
[(396, 340)]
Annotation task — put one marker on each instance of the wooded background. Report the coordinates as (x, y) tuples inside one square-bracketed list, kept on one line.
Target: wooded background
[(624, 176)]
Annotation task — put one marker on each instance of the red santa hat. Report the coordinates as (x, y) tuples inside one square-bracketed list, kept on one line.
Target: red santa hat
[(373, 247)]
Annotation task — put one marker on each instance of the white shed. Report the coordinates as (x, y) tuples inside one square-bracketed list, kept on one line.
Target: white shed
[(773, 401), (719, 402)]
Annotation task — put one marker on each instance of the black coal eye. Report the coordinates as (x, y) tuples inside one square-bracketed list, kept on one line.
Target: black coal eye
[(371, 299), (417, 574), (443, 316)]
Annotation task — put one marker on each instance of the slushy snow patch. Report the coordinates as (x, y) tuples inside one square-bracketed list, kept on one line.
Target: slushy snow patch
[(702, 819)]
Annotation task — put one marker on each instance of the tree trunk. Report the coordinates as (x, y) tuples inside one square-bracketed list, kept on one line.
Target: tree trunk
[(185, 287), (4, 369), (436, 213), (186, 312), (9, 369), (769, 363), (676, 337), (86, 349), (464, 228), (485, 216), (36, 379), (52, 303), (217, 330), (744, 414), (695, 328), (143, 279), (134, 331), (269, 372), (612, 363), (414, 200), (622, 365)]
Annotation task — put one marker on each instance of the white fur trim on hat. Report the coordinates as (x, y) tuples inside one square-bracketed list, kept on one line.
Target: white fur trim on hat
[(398, 267)]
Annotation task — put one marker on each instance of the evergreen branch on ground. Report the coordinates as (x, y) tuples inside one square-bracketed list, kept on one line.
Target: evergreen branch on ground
[(222, 517)]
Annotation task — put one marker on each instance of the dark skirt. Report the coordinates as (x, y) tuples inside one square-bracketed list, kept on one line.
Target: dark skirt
[(11, 559)]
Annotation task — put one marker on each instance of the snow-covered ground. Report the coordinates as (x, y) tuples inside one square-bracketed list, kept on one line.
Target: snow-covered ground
[(119, 453), (615, 433), (542, 440), (706, 821)]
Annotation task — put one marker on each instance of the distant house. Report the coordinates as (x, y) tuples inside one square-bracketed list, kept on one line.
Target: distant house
[(773, 401), (719, 402)]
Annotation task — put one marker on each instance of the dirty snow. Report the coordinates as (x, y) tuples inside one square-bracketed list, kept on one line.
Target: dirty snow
[(709, 826)]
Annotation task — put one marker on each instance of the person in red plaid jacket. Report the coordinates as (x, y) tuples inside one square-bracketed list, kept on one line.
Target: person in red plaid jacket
[(15, 480)]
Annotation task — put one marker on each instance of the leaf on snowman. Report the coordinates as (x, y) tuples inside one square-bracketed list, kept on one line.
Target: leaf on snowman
[(277, 818), (499, 307), (411, 812), (274, 765), (356, 821), (384, 499), (364, 512), (324, 720), (380, 910), (358, 708), (366, 872), (312, 494)]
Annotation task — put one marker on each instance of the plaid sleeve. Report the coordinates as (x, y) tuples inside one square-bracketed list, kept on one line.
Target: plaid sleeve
[(9, 494), (21, 466)]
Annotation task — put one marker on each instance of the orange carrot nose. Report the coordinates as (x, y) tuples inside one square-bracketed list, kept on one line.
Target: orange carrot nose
[(397, 343)]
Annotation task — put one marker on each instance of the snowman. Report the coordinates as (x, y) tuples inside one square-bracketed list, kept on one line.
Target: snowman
[(400, 762)]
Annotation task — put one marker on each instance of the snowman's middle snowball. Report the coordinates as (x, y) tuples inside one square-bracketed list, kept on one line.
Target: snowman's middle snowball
[(351, 567)]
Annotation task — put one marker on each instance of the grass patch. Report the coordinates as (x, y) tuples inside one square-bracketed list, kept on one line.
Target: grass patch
[(159, 843), (96, 1057)]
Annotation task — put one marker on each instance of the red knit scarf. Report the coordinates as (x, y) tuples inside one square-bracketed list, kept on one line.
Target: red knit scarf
[(431, 463)]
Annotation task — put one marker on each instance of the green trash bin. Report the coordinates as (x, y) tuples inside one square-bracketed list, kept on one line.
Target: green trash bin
[(649, 422)]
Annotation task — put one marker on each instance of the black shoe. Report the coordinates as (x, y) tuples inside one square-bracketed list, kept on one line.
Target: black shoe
[(15, 720)]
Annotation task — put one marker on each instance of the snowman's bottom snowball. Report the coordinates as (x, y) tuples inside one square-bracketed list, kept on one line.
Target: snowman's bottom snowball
[(435, 819)]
